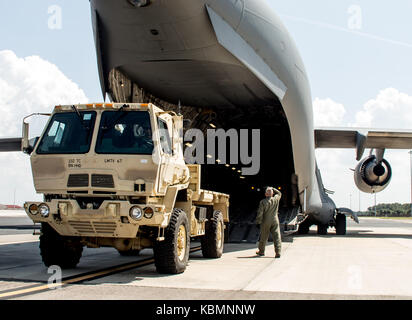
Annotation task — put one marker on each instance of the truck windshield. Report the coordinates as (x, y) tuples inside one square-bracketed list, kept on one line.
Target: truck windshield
[(68, 132), (125, 132)]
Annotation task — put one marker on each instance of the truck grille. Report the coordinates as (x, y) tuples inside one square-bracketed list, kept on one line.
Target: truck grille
[(82, 227), (104, 227), (102, 181), (78, 180)]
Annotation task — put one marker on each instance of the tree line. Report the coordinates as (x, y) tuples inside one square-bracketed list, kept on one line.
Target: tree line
[(388, 210)]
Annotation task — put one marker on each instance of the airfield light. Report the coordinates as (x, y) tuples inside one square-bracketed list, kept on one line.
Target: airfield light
[(233, 168), (44, 210)]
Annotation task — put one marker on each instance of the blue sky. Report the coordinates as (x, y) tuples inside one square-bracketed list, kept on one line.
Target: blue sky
[(345, 66), (24, 30), (346, 69)]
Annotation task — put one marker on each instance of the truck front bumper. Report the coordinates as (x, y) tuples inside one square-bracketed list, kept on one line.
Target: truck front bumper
[(112, 219)]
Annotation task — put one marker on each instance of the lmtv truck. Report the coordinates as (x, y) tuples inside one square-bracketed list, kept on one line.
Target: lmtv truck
[(114, 175)]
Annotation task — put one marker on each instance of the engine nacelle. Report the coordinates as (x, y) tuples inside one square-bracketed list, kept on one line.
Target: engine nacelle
[(371, 176)]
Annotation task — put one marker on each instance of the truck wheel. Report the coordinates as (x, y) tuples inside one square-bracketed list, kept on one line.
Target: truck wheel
[(64, 252), (171, 255), (213, 240), (340, 224), (129, 253)]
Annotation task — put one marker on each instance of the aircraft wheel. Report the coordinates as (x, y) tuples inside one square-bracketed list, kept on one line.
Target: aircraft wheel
[(340, 224), (213, 240), (323, 229), (304, 227), (64, 252), (172, 254)]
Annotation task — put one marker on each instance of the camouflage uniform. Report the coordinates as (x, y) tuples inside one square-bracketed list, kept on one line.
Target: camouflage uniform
[(267, 217)]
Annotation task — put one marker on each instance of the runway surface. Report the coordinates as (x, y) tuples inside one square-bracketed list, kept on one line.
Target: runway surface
[(373, 261)]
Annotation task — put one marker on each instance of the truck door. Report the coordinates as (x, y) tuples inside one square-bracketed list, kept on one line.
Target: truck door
[(166, 170)]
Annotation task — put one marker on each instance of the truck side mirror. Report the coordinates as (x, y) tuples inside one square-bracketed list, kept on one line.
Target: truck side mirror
[(25, 139), (27, 145)]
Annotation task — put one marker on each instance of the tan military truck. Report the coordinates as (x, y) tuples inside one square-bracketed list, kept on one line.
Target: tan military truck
[(114, 175)]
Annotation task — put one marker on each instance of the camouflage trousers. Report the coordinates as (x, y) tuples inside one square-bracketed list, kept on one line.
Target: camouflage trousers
[(273, 228)]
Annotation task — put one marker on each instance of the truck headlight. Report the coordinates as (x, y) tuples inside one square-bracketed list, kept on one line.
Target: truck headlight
[(33, 209), (44, 210), (148, 213), (135, 213)]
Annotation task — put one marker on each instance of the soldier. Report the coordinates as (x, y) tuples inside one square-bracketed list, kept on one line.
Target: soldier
[(267, 218)]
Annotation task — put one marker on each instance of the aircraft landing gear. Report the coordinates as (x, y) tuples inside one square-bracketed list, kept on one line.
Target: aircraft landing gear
[(340, 224), (305, 226), (323, 229)]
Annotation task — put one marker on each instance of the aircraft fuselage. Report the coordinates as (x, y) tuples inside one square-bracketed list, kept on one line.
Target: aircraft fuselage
[(233, 59)]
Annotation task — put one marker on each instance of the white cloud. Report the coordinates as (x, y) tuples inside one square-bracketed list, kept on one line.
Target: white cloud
[(27, 85), (328, 113), (390, 109)]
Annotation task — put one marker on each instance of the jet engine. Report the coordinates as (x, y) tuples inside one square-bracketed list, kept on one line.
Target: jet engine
[(372, 176)]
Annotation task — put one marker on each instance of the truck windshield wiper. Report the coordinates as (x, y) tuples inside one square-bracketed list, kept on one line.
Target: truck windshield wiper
[(80, 117), (111, 123)]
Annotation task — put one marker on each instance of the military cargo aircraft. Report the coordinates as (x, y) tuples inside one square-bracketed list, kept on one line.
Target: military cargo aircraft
[(233, 64)]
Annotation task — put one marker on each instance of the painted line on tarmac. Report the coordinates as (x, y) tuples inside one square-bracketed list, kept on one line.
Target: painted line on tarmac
[(9, 243), (88, 276)]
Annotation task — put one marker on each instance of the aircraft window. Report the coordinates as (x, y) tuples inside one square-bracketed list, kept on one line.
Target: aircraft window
[(68, 132), (165, 141), (125, 132)]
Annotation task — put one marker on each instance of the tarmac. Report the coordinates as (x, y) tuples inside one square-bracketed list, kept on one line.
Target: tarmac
[(373, 261)]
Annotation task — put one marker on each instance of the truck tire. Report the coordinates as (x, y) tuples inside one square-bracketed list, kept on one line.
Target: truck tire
[(172, 254), (129, 253), (340, 221), (213, 240), (64, 252)]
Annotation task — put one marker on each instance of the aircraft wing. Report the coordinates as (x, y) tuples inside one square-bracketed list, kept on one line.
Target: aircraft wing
[(10, 144), (361, 139)]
